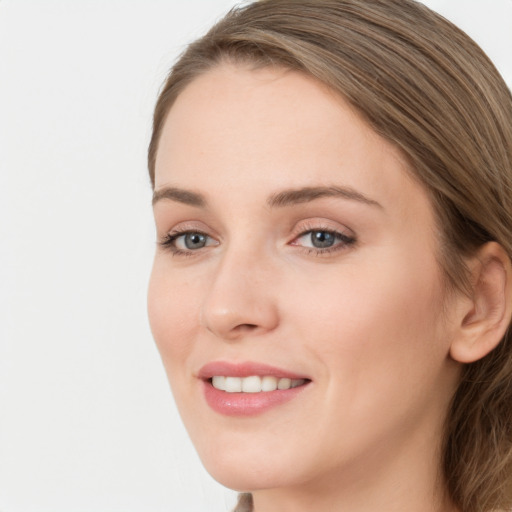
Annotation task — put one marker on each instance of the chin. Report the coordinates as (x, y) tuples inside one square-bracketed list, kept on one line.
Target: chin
[(249, 477), (250, 468)]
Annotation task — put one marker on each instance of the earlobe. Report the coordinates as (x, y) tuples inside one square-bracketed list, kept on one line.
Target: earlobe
[(488, 314)]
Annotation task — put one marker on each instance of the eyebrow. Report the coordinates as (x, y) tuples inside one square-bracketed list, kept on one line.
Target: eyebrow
[(179, 195), (306, 194), (277, 200)]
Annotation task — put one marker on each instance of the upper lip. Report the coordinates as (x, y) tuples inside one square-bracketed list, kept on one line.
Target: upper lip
[(245, 369)]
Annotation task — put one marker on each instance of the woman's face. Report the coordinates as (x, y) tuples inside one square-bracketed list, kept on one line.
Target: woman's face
[(296, 250)]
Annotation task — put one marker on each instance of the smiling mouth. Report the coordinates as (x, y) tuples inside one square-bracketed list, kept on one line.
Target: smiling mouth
[(249, 388), (254, 383)]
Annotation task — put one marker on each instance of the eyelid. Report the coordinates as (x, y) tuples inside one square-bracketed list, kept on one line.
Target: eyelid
[(320, 224), (184, 225), (344, 237)]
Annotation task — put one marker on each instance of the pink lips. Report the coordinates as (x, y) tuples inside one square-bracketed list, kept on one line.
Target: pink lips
[(244, 370), (246, 404)]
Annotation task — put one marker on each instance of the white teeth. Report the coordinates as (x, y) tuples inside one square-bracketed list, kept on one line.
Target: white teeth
[(233, 385), (219, 382), (251, 384), (268, 383), (284, 384), (254, 383)]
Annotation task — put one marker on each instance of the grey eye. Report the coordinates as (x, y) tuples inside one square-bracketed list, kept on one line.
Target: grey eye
[(194, 240), (322, 239), (188, 242)]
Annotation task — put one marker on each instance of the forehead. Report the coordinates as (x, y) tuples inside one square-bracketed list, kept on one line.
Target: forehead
[(270, 129)]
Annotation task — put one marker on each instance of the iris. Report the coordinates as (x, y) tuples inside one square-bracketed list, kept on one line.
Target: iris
[(194, 240), (322, 239)]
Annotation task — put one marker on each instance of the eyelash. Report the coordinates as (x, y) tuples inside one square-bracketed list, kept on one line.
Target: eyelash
[(344, 241), (170, 238)]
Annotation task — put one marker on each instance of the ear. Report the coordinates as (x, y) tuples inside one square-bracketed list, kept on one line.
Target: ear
[(486, 316)]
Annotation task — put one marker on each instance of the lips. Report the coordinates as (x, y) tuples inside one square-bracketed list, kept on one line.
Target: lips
[(247, 389), (245, 370)]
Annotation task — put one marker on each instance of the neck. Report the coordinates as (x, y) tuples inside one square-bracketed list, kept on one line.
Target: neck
[(303, 501)]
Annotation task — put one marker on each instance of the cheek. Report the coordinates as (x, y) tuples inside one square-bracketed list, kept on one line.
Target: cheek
[(380, 347), (173, 312), (374, 322)]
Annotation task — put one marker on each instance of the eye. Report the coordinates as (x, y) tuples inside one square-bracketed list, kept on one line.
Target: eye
[(187, 241), (323, 240), (191, 241)]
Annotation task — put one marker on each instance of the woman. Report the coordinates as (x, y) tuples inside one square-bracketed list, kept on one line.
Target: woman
[(331, 294)]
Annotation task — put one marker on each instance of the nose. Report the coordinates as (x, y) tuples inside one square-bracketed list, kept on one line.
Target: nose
[(240, 301)]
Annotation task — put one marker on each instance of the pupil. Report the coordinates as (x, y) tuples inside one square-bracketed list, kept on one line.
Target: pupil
[(322, 239), (195, 241)]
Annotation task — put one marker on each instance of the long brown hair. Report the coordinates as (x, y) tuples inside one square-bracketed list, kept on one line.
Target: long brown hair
[(424, 85)]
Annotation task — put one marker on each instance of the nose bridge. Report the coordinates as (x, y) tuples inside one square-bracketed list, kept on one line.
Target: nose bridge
[(240, 298)]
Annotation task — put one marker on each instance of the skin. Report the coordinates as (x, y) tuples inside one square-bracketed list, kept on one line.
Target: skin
[(362, 321)]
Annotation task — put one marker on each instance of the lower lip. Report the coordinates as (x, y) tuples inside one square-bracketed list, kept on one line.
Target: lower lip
[(247, 404)]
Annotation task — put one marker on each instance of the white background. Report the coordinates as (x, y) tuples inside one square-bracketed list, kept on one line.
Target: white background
[(87, 422)]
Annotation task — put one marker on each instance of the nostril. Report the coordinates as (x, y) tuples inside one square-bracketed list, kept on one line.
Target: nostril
[(247, 327)]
